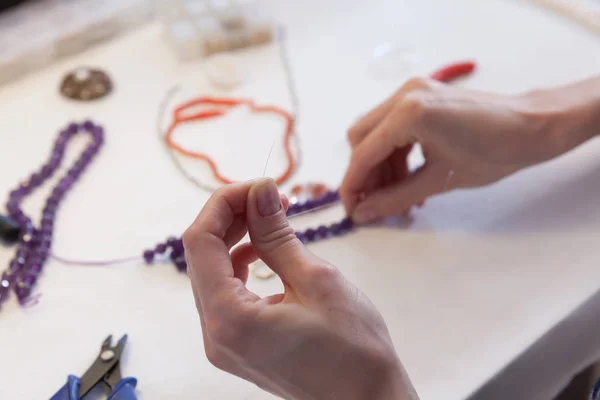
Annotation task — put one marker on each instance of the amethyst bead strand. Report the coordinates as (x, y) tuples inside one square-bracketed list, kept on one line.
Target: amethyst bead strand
[(324, 232), (174, 246), (309, 205), (34, 244)]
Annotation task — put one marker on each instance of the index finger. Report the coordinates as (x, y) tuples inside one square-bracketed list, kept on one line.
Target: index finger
[(209, 262), (393, 132)]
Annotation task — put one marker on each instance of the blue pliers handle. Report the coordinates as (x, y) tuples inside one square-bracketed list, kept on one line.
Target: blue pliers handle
[(106, 369), (124, 390)]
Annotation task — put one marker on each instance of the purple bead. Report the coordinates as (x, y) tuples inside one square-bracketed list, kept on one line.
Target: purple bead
[(29, 280), (14, 267), (43, 251), (171, 241), (149, 256), (181, 264), (310, 234), (89, 152), (88, 126), (25, 189), (54, 162), (22, 294), (36, 179), (336, 229), (309, 205), (12, 206), (175, 254), (301, 237), (161, 248), (57, 193), (45, 240), (322, 231), (21, 219), (98, 132), (347, 224), (304, 207), (21, 253), (178, 246), (46, 171), (44, 258), (35, 258), (62, 139), (72, 129), (35, 269), (65, 184), (332, 196), (292, 210), (48, 217)]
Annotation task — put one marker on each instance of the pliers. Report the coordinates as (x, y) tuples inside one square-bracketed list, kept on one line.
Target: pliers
[(106, 369)]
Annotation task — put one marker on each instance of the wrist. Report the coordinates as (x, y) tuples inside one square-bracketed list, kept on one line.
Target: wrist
[(393, 384), (565, 117)]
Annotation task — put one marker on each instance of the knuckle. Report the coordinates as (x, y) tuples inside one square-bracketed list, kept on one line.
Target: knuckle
[(414, 104), (359, 156), (278, 235), (189, 237), (220, 192), (325, 274), (353, 135), (417, 82), (215, 357), (325, 283)]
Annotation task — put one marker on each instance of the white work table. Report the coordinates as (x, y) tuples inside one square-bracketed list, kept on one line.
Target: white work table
[(499, 284)]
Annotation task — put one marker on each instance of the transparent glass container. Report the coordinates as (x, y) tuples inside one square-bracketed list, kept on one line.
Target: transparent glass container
[(199, 28)]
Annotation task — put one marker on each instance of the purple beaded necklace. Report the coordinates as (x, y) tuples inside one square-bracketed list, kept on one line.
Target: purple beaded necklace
[(34, 243), (174, 246), (33, 248)]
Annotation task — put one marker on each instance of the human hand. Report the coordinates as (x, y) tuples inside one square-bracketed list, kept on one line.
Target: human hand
[(468, 138), (320, 339)]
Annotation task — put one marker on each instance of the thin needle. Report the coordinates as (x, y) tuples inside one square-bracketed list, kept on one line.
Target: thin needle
[(268, 158), (314, 210)]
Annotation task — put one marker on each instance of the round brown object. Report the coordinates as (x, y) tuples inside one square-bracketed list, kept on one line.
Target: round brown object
[(86, 84), (261, 35)]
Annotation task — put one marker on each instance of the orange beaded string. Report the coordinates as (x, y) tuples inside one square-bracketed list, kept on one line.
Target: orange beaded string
[(219, 108)]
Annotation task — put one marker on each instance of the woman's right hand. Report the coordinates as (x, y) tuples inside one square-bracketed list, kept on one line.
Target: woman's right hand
[(321, 338), (468, 138)]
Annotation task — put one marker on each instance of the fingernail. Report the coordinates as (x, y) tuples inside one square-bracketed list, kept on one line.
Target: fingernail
[(268, 198), (285, 202), (364, 215)]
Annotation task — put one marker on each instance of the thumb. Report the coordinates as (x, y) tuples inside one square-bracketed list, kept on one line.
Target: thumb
[(400, 197), (270, 233)]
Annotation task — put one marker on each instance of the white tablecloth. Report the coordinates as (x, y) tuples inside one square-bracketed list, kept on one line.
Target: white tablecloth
[(496, 283)]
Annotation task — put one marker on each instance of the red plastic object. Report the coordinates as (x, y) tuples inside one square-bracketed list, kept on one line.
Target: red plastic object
[(454, 71)]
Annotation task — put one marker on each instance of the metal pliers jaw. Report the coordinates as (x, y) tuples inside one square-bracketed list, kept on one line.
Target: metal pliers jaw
[(106, 369)]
